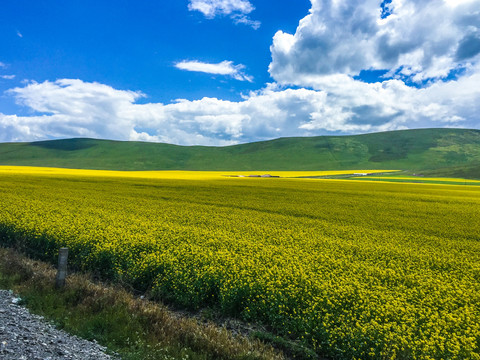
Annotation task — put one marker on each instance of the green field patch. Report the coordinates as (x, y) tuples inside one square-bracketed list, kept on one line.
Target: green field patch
[(418, 180)]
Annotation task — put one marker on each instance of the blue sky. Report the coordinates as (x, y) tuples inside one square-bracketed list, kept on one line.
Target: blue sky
[(218, 72)]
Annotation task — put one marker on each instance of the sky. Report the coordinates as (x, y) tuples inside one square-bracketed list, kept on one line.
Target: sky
[(223, 72)]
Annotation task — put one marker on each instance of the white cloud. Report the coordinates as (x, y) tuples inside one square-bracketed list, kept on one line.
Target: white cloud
[(422, 42), (6, 77), (19, 34), (245, 20), (67, 108), (222, 68), (73, 108), (236, 9), (212, 8), (418, 41)]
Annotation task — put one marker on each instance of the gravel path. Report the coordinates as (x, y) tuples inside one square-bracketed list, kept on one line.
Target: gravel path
[(24, 336)]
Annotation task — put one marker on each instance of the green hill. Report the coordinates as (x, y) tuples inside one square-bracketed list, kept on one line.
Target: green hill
[(440, 152)]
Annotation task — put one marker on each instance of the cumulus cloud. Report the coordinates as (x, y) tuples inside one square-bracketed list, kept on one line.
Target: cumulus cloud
[(223, 68), (67, 108), (73, 108), (414, 40), (433, 45), (235, 9)]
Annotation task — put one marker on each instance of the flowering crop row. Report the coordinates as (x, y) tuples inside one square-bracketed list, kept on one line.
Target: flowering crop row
[(353, 270)]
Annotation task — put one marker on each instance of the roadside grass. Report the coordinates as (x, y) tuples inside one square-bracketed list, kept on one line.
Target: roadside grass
[(131, 327)]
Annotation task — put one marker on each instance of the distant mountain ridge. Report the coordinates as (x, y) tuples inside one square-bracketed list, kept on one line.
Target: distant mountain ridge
[(440, 152)]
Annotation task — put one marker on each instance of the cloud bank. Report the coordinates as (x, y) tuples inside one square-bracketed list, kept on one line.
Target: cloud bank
[(237, 10), (222, 68), (73, 108)]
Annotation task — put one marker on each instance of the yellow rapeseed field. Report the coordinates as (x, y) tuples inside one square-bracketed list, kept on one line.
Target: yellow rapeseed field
[(173, 174), (353, 270)]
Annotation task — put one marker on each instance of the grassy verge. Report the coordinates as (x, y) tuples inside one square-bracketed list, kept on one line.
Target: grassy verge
[(134, 328)]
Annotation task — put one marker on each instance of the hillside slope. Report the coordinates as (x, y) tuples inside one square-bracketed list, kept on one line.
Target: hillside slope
[(438, 152)]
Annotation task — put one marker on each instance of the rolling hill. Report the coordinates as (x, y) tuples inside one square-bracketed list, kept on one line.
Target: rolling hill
[(440, 152)]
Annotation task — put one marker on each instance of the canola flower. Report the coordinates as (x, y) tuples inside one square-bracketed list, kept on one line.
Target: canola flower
[(173, 174), (353, 270)]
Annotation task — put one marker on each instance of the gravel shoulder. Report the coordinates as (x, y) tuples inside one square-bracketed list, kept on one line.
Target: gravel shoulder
[(25, 336)]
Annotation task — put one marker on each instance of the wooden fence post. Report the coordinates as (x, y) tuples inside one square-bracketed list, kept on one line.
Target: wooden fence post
[(62, 268)]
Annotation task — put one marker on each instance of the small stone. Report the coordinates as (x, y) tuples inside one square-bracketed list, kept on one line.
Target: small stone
[(26, 337)]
